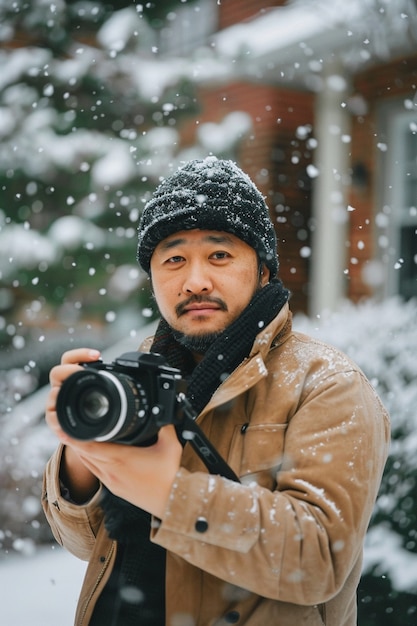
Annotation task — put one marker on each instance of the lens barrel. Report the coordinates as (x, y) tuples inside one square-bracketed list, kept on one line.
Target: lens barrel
[(98, 405)]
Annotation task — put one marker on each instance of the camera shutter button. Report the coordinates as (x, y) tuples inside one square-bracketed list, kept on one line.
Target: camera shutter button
[(201, 525)]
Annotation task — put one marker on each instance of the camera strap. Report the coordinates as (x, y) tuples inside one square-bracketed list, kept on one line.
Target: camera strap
[(190, 431)]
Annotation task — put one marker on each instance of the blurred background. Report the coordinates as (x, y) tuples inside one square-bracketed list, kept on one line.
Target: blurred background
[(315, 99)]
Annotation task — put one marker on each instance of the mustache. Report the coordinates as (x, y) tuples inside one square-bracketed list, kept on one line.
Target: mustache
[(180, 309)]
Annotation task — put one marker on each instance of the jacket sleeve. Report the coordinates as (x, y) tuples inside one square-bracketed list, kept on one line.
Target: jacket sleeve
[(74, 526), (299, 542)]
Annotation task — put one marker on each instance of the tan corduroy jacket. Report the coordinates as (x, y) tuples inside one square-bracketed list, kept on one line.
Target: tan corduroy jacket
[(303, 428)]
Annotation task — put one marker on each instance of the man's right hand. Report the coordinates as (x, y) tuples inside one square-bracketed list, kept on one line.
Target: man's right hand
[(80, 482)]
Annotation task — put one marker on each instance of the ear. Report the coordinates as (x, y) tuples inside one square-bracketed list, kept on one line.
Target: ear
[(264, 275)]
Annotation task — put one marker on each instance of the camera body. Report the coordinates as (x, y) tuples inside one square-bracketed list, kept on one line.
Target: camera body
[(127, 401)]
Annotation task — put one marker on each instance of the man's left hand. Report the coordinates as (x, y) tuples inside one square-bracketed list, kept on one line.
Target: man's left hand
[(140, 475)]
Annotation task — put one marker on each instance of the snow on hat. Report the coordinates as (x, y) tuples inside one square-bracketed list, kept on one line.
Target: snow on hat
[(208, 194)]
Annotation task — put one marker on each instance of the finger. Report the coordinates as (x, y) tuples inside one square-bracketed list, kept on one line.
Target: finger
[(50, 406), (91, 466), (99, 452), (105, 466), (167, 436), (79, 355), (51, 417), (59, 373), (70, 363)]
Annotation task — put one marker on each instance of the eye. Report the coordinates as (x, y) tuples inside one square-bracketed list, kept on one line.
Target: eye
[(220, 255), (175, 259)]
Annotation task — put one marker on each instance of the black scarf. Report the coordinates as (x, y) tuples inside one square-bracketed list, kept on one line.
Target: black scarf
[(141, 564), (135, 592)]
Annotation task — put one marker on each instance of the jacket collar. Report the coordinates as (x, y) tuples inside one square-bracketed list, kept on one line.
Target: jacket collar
[(274, 334)]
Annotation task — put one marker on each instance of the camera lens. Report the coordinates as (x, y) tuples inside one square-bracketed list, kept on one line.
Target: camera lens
[(94, 404), (99, 405)]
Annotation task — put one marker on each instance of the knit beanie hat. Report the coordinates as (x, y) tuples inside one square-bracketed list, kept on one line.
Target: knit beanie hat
[(208, 194)]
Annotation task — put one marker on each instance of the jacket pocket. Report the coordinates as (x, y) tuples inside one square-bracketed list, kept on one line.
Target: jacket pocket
[(257, 451)]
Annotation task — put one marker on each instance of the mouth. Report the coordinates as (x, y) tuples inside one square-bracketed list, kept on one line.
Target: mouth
[(200, 311), (200, 307)]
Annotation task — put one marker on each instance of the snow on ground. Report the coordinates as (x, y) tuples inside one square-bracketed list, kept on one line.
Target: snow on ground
[(40, 590)]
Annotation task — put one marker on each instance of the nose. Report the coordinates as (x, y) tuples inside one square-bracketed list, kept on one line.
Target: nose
[(197, 280)]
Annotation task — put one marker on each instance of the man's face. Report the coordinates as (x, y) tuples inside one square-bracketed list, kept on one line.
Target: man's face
[(203, 279)]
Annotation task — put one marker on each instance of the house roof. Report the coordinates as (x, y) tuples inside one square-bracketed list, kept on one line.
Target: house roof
[(291, 44)]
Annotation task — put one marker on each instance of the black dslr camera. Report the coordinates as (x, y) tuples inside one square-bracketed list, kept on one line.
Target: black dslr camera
[(128, 401)]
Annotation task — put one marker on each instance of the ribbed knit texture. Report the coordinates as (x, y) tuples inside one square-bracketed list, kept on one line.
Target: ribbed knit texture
[(208, 194)]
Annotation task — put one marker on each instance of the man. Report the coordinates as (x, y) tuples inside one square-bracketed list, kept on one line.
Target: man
[(168, 542)]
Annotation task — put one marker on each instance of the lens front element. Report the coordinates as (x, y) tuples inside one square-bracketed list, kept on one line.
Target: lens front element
[(98, 405), (95, 404)]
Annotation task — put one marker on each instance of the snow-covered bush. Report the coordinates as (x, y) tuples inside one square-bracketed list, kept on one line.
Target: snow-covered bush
[(382, 338)]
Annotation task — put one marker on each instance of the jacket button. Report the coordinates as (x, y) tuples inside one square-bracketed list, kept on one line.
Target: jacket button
[(201, 525), (244, 428), (232, 617)]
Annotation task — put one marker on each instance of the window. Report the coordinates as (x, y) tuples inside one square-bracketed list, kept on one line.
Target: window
[(401, 204)]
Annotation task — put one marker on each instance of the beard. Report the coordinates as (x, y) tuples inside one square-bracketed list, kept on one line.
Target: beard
[(199, 344), (196, 343)]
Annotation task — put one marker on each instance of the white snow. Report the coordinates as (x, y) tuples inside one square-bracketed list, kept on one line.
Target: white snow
[(70, 230), (320, 493), (22, 247), (123, 26), (218, 138), (114, 168), (20, 61), (40, 590)]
